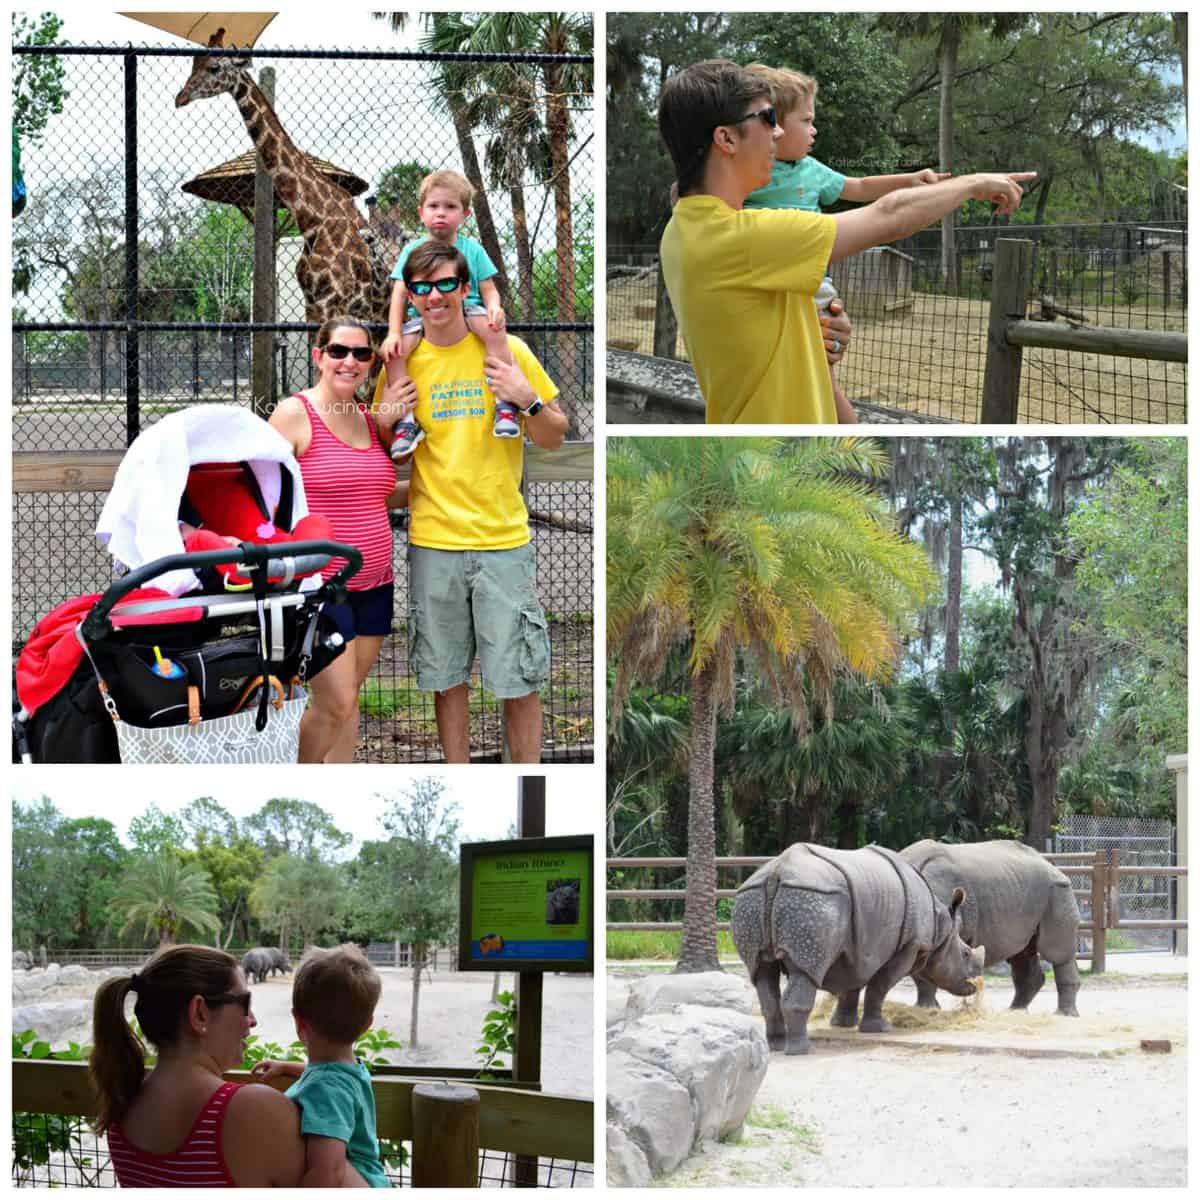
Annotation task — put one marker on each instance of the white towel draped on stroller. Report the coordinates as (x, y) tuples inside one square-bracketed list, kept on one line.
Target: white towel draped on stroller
[(138, 523)]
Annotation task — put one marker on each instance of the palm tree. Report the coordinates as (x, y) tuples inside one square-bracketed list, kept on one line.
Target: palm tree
[(758, 546), (947, 30), (166, 896)]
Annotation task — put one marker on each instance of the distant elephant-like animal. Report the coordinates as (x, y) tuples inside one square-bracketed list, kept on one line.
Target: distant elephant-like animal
[(562, 905), (257, 963), (279, 961), (839, 921), (1018, 905)]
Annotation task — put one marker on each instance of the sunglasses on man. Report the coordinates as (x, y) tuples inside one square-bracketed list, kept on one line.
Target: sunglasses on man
[(422, 287), (242, 998), (766, 115), (338, 351)]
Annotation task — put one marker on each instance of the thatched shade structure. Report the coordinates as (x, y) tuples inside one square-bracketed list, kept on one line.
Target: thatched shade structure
[(233, 182)]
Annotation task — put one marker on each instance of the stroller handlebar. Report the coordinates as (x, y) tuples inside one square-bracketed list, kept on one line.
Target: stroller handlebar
[(301, 558)]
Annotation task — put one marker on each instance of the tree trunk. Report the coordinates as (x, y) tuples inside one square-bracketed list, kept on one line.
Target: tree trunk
[(524, 251), (482, 209), (949, 66), (418, 961), (954, 567), (558, 126), (1179, 20), (698, 945)]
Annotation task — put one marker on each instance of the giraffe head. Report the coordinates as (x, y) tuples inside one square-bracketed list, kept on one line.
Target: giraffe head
[(212, 76)]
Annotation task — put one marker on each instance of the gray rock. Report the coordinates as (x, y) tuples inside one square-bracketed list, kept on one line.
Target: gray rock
[(627, 1165), (711, 989), (57, 1024), (652, 1109)]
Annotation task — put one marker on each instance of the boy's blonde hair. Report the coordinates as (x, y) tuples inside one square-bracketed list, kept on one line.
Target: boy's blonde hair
[(789, 89), (336, 991), (456, 181)]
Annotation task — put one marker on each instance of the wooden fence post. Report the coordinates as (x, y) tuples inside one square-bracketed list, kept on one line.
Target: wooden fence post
[(1002, 371), (1099, 922), (1112, 901), (1166, 279), (262, 354), (445, 1135), (666, 327)]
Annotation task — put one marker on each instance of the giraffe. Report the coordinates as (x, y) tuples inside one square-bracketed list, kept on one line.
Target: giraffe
[(339, 267)]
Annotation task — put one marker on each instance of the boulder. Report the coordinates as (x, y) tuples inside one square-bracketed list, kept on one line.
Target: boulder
[(683, 1067), (627, 1165), (73, 974), (57, 1024)]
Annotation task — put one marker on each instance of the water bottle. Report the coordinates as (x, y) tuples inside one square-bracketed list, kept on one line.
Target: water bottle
[(825, 296)]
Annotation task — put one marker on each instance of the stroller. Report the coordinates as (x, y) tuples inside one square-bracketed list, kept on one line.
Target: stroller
[(209, 664)]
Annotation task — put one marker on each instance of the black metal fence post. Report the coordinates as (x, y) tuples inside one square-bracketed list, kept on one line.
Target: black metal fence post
[(132, 347)]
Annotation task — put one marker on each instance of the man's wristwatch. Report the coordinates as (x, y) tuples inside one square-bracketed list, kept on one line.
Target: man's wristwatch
[(535, 408)]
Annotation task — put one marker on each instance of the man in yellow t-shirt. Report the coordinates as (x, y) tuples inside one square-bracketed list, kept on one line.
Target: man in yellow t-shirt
[(470, 560), (741, 281)]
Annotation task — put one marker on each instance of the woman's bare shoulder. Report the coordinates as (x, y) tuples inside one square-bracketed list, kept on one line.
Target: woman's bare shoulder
[(261, 1138), (290, 418)]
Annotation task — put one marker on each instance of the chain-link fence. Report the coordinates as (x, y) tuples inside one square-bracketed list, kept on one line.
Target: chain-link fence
[(1141, 843), (920, 346), (135, 292)]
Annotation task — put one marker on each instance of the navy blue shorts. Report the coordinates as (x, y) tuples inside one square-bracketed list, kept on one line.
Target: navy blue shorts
[(368, 612)]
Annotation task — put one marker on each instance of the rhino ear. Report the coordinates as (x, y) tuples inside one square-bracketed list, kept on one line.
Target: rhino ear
[(957, 897)]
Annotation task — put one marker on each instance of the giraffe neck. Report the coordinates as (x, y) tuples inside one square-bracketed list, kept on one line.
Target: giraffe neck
[(309, 196)]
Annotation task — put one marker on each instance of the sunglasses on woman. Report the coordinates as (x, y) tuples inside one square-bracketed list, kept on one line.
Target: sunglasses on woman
[(242, 998), (338, 351), (423, 287)]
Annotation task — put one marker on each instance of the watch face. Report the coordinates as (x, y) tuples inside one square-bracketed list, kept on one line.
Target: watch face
[(535, 408)]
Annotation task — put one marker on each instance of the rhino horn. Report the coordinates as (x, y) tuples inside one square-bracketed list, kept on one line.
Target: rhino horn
[(978, 957)]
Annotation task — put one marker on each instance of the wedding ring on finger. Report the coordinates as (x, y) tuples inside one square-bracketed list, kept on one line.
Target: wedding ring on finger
[(837, 346)]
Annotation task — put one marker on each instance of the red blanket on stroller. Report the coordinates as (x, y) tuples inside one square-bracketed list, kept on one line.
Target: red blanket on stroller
[(53, 651)]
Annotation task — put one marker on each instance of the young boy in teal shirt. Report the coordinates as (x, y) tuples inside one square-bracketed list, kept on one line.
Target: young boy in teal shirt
[(800, 181), (333, 1003)]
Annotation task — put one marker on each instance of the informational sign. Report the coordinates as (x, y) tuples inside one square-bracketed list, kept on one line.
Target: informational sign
[(526, 905)]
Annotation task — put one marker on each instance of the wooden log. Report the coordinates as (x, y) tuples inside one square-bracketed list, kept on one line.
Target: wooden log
[(1120, 343), (445, 1135)]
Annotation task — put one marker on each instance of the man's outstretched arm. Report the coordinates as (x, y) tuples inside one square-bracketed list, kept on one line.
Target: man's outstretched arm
[(900, 214)]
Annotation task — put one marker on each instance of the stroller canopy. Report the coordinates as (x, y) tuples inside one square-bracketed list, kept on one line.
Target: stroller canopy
[(139, 521)]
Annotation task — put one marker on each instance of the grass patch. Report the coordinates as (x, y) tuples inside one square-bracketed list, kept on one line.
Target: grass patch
[(779, 1120), (625, 944), (382, 698)]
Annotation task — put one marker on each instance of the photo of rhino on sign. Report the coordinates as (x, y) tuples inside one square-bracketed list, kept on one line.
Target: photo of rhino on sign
[(562, 902)]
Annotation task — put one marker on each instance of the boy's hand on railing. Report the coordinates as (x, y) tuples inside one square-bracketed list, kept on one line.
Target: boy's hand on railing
[(928, 175), (268, 1070)]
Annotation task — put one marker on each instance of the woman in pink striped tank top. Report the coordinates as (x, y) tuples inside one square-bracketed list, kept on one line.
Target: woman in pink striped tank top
[(348, 478), (183, 1125)]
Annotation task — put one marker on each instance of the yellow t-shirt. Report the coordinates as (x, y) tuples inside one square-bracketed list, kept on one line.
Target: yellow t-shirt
[(742, 283), (465, 492)]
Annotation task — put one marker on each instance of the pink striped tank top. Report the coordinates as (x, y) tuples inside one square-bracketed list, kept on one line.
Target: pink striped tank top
[(350, 488), (198, 1162)]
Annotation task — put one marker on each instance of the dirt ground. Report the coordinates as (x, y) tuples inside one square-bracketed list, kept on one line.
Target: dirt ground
[(929, 359), (885, 1110)]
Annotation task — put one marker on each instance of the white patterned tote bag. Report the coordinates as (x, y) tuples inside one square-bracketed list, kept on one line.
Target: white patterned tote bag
[(233, 739)]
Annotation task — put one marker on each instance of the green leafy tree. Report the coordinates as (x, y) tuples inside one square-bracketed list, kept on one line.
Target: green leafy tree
[(753, 546), (408, 883), (155, 832), (298, 895), (398, 191), (296, 827), (37, 87), (165, 896), (233, 867), (1130, 540)]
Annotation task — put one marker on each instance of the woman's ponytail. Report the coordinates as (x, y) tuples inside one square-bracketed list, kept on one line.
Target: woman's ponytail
[(117, 1063)]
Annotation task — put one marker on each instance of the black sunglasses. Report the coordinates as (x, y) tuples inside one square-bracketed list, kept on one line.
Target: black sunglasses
[(338, 351), (767, 116), (242, 998), (423, 287)]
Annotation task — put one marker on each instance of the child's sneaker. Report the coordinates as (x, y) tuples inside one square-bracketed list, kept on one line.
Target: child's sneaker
[(408, 435), (506, 425)]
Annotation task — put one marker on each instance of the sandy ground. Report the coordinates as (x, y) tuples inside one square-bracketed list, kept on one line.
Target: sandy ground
[(885, 1110), (929, 359), (452, 1009)]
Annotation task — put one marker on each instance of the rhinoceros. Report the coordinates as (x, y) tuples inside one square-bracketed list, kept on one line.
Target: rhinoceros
[(279, 961), (257, 963), (1018, 905), (562, 905), (841, 920)]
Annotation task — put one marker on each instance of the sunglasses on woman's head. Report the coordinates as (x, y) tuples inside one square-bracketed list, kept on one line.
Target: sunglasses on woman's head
[(337, 350), (242, 998), (423, 287)]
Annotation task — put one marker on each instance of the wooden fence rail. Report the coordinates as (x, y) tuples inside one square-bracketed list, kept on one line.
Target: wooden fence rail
[(1101, 869), (1009, 333), (512, 1121)]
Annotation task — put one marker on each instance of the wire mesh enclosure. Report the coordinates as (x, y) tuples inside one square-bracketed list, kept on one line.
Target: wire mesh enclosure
[(920, 345), (135, 295)]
